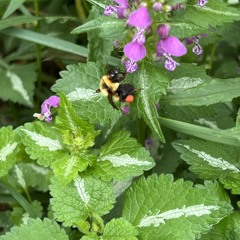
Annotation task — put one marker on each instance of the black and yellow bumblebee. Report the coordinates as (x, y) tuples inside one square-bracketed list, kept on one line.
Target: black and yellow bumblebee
[(111, 87)]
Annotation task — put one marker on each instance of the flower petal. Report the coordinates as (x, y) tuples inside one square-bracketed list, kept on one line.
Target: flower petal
[(173, 46), (140, 18), (122, 3), (135, 51)]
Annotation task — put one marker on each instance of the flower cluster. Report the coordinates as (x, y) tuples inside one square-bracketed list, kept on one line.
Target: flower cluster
[(197, 49), (46, 106), (140, 23)]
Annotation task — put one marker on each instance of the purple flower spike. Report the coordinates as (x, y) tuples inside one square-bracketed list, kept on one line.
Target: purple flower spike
[(201, 3), (140, 18), (131, 66), (135, 51), (173, 46), (52, 101)]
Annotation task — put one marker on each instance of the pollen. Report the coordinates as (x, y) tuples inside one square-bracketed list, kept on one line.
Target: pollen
[(129, 99)]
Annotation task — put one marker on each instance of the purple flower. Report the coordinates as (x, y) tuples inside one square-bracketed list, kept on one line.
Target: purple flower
[(195, 39), (109, 10), (131, 66), (123, 5), (148, 143), (125, 109), (140, 18), (163, 30), (171, 46), (201, 3), (135, 51), (52, 101)]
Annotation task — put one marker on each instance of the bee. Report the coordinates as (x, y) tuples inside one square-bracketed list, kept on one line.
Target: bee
[(111, 87)]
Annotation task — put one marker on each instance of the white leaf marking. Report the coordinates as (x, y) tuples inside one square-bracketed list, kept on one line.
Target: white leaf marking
[(7, 150), (82, 94), (183, 84), (20, 177), (215, 162), (124, 160), (52, 145), (159, 218), (38, 169), (79, 184), (70, 164), (17, 85)]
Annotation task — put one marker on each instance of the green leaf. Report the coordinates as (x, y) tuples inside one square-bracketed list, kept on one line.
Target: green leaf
[(98, 54), (151, 84), (164, 209), (109, 27), (9, 147), (79, 83), (76, 201), (227, 229), (191, 86), (187, 113), (42, 142), (82, 132), (13, 5), (229, 136), (67, 168), (121, 158), (36, 229), (18, 83), (213, 14), (5, 221), (208, 163), (17, 21), (119, 229), (34, 176)]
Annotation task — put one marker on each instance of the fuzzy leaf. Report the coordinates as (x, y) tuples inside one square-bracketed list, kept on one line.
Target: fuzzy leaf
[(119, 229), (122, 158), (9, 147), (191, 86), (110, 28), (163, 209), (18, 84), (208, 163), (36, 229), (79, 83), (75, 201), (213, 14), (34, 176), (226, 229), (98, 54), (42, 142), (152, 84)]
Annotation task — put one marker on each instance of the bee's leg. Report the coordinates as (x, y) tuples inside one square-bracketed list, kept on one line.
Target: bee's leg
[(110, 99)]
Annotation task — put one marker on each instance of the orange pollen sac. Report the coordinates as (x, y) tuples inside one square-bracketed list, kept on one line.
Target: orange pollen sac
[(129, 99)]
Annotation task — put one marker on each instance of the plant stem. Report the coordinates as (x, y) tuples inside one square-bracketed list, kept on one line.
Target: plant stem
[(18, 197), (38, 48)]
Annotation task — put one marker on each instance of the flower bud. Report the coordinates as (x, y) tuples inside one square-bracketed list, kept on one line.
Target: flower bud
[(157, 6), (163, 30), (167, 8)]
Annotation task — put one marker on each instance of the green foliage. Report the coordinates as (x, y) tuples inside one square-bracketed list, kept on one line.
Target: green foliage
[(208, 163), (36, 229), (163, 209), (122, 158), (9, 147), (76, 201)]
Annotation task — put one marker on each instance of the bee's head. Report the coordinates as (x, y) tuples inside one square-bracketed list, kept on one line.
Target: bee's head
[(116, 75)]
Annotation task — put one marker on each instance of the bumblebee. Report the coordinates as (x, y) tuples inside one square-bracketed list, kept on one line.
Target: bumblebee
[(111, 87)]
